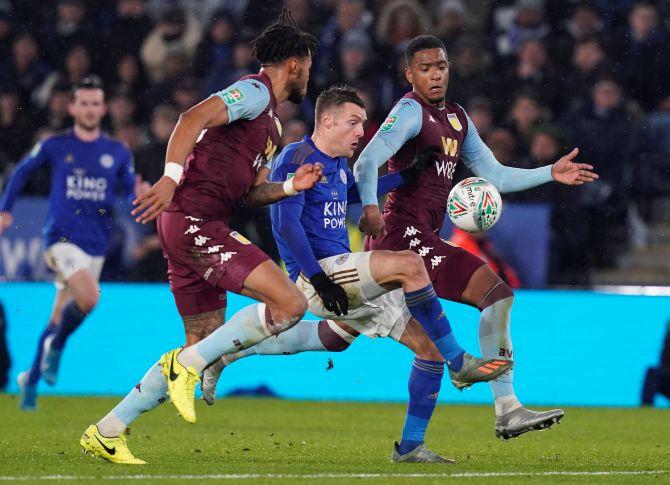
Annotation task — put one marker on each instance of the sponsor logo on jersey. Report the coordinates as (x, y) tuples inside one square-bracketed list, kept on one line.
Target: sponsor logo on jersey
[(107, 161), (334, 214), (239, 238), (79, 187), (388, 123), (324, 180), (342, 259), (450, 146), (454, 121), (233, 96)]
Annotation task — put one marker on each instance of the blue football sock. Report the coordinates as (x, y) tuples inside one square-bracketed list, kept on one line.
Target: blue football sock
[(424, 386), (34, 374), (71, 318), (425, 307)]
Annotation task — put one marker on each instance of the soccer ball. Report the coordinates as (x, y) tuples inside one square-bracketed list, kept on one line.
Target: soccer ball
[(474, 205)]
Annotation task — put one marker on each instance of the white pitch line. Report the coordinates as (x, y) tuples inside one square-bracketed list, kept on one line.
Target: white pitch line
[(246, 476)]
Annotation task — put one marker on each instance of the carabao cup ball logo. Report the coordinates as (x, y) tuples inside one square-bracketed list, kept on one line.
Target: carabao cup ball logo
[(474, 205)]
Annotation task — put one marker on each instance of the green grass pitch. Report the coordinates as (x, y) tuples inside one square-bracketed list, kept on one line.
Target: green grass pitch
[(276, 441)]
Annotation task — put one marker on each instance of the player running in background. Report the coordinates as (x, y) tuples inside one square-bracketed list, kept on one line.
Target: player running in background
[(87, 168), (414, 215), (361, 290), (225, 139)]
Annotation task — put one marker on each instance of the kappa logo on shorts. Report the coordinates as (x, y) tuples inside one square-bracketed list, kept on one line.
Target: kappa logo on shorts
[(201, 240), (411, 231), (435, 261), (208, 273), (239, 238), (214, 249), (424, 251), (192, 229), (225, 257), (191, 218), (342, 259), (414, 243)]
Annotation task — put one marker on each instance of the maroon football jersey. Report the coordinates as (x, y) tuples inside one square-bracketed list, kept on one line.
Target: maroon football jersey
[(426, 201), (224, 162)]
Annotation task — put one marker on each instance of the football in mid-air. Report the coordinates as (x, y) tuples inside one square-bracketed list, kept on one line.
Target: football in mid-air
[(474, 205)]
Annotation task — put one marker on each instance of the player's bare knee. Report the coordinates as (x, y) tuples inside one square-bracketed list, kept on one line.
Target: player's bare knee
[(86, 303), (286, 314), (412, 265)]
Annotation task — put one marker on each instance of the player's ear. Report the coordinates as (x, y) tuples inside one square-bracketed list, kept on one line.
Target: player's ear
[(293, 66), (408, 75)]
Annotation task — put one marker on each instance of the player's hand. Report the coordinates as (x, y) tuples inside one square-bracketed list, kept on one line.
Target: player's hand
[(371, 222), (6, 220), (150, 204), (422, 161), (141, 186), (307, 176), (333, 295), (569, 172)]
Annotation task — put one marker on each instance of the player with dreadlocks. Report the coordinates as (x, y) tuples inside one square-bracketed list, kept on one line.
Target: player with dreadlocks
[(212, 163)]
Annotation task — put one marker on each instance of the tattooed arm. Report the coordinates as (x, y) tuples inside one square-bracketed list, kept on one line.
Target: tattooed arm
[(264, 192)]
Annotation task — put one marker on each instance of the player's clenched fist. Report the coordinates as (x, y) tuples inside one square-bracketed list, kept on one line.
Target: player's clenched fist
[(151, 203), (307, 176), (371, 222)]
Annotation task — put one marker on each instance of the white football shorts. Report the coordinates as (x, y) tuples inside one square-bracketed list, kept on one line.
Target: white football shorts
[(373, 310), (65, 259)]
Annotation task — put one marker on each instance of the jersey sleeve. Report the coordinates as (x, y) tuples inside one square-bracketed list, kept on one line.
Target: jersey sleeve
[(37, 157), (401, 125), (245, 99), (480, 159)]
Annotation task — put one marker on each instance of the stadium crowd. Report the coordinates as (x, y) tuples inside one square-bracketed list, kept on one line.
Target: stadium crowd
[(537, 77)]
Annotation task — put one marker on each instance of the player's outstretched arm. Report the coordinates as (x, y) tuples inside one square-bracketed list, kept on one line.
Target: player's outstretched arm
[(264, 192), (209, 113), (569, 172)]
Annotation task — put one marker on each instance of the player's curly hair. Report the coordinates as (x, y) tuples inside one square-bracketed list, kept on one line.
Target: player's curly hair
[(282, 40), (420, 43)]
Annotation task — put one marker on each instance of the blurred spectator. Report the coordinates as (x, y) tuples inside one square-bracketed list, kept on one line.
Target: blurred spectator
[(642, 52), (24, 70), (6, 35), (533, 71), (130, 134), (293, 131), (503, 145), (175, 67), (590, 63), (242, 65), (186, 94), (481, 113), (602, 130), (583, 24), (150, 159), (350, 15), (121, 109), (524, 115), (55, 116), (469, 75), (178, 31), (15, 128), (129, 27), (77, 66), (522, 23), (481, 246), (451, 19), (400, 20), (355, 61), (215, 50), (69, 29)]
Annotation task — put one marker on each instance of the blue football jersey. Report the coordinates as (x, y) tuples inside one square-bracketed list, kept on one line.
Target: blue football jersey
[(324, 206), (85, 178)]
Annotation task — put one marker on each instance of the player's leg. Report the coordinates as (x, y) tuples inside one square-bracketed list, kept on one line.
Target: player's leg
[(425, 381), (477, 285), (282, 307), (305, 336)]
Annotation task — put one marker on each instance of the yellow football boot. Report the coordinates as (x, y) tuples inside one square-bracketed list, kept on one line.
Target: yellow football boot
[(181, 384), (111, 449)]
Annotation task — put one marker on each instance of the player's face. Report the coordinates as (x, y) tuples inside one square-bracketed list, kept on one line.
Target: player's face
[(346, 128), (298, 84), (88, 108), (428, 73)]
